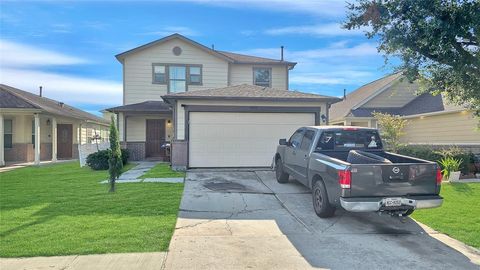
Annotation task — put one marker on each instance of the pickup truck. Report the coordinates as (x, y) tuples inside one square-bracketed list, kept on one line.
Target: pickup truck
[(346, 167)]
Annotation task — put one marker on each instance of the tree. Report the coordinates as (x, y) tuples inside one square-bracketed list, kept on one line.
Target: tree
[(391, 129), (115, 164), (437, 42)]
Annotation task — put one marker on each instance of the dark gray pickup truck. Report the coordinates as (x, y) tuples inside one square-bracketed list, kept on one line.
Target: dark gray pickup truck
[(347, 166)]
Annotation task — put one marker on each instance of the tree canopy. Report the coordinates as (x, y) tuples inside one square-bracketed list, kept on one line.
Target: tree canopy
[(437, 42)]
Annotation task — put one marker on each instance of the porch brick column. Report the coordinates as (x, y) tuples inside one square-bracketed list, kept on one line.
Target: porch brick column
[(2, 154), (37, 139), (54, 139)]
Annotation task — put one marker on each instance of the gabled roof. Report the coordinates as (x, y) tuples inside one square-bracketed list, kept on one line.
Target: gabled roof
[(227, 56), (355, 98), (424, 103), (146, 106), (250, 92), (17, 98)]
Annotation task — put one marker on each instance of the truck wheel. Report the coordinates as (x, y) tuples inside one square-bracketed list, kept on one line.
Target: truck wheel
[(408, 213), (322, 206), (282, 176)]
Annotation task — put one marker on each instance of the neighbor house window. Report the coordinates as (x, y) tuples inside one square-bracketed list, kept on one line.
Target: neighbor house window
[(8, 133), (177, 79), (262, 77), (159, 74), (194, 75)]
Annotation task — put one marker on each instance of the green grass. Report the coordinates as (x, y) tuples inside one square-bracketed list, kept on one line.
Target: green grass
[(62, 209), (162, 170), (459, 216)]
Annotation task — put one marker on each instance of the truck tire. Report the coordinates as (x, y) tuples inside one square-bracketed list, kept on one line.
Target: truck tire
[(321, 205), (280, 174), (361, 157)]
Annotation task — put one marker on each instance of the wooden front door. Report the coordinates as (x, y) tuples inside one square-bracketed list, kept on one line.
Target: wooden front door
[(155, 138), (64, 141)]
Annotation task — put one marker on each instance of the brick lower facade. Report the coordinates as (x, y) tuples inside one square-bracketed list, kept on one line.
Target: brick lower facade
[(179, 155), (137, 150)]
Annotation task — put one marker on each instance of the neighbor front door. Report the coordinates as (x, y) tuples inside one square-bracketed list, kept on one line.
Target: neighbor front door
[(155, 137), (64, 141)]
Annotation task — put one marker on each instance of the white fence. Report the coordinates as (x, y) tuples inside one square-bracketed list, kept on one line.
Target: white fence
[(86, 149)]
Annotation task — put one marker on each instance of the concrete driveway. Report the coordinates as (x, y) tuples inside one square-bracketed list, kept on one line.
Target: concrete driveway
[(245, 219)]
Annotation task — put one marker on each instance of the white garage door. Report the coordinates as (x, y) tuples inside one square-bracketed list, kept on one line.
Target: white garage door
[(219, 139)]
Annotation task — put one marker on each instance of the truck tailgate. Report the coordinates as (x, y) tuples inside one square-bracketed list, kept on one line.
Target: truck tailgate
[(393, 180)]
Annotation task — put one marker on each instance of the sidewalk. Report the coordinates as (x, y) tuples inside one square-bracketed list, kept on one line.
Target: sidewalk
[(117, 261)]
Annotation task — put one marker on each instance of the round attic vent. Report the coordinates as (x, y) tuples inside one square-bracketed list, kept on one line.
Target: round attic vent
[(177, 50)]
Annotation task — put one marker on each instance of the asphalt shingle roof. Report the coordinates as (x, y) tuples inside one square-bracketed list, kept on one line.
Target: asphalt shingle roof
[(342, 108), (242, 58), (146, 106), (19, 97), (250, 92)]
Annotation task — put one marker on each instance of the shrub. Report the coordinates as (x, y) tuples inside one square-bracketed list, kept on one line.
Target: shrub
[(429, 153), (125, 156), (450, 165), (98, 160)]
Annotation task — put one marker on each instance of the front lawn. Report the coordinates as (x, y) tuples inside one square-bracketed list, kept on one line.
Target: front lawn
[(459, 216), (62, 209), (162, 170)]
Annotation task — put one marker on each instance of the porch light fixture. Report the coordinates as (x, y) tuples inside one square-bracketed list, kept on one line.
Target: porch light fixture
[(324, 118), (169, 122), (48, 122)]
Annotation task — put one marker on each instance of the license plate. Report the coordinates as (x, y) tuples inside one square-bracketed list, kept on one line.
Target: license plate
[(393, 202)]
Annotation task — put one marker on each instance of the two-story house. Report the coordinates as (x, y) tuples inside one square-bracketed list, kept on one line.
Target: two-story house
[(202, 107), (431, 119)]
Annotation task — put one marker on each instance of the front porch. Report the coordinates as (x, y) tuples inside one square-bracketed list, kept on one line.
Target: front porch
[(31, 137), (145, 129)]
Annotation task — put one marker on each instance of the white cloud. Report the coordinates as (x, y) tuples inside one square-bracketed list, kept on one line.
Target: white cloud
[(330, 29), (65, 88), (333, 8), (339, 77), (20, 67), (168, 30), (14, 54)]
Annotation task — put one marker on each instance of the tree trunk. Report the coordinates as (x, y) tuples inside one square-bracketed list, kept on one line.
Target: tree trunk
[(112, 185)]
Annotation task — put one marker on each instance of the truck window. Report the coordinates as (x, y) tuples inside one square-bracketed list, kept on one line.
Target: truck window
[(307, 140), (349, 139), (326, 141), (296, 138)]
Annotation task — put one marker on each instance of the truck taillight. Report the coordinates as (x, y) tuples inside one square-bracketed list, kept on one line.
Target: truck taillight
[(345, 178), (439, 176)]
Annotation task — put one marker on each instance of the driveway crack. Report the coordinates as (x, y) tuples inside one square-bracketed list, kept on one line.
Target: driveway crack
[(284, 206)]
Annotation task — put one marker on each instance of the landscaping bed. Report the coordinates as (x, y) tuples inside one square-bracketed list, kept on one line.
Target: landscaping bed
[(61, 210), (459, 216)]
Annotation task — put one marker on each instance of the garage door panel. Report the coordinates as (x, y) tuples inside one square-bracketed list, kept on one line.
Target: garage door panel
[(239, 139)]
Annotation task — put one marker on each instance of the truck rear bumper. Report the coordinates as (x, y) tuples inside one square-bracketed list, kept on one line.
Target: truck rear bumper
[(373, 204)]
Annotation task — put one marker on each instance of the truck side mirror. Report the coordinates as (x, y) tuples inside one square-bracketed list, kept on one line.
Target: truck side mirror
[(282, 141)]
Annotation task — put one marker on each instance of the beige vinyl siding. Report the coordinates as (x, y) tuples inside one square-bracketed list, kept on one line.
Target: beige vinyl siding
[(181, 112), (136, 128), (138, 70), (243, 74), (449, 128), (399, 94)]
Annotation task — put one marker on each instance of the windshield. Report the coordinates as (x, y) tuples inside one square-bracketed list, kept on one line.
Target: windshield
[(349, 139)]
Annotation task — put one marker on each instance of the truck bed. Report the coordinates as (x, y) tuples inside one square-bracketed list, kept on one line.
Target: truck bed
[(394, 158)]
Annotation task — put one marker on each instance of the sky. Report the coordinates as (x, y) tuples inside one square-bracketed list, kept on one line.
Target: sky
[(69, 47)]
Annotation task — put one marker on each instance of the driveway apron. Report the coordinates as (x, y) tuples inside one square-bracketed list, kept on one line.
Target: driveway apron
[(245, 219)]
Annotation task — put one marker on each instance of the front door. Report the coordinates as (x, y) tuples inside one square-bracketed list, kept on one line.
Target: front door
[(155, 137), (64, 141)]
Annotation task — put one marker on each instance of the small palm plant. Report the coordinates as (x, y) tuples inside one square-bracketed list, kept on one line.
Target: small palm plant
[(449, 165), (115, 163)]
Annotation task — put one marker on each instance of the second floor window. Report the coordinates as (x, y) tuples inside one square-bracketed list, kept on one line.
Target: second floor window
[(177, 77), (262, 77)]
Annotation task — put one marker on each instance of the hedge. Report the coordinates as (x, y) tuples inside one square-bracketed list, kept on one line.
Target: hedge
[(99, 160)]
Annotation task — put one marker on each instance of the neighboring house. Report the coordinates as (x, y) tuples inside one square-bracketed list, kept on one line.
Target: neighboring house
[(431, 119), (223, 109), (35, 128)]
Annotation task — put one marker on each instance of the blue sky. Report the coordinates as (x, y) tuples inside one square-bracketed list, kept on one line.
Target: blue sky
[(69, 47)]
